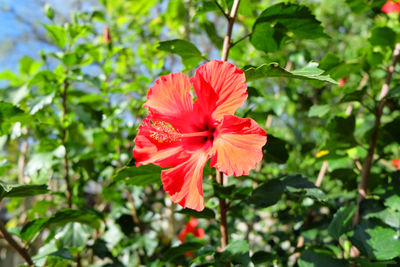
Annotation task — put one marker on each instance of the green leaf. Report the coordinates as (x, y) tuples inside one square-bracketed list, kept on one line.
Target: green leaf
[(57, 34), (270, 192), (9, 114), (49, 11), (376, 241), (74, 235), (236, 252), (353, 96), (319, 110), (310, 258), (309, 72), (281, 22), (341, 222), (63, 253), (394, 92), (100, 249), (205, 7), (267, 194), (336, 67), (388, 216), (360, 6), (204, 214), (28, 66), (341, 132), (32, 228), (191, 56), (261, 257), (382, 36), (61, 218), (39, 102), (393, 202), (180, 250), (275, 150), (21, 190), (139, 176), (91, 98)]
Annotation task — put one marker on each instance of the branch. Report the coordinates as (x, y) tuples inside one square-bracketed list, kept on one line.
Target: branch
[(241, 39), (64, 139), (227, 39), (133, 211), (321, 173), (362, 189), (223, 210), (10, 240), (221, 9)]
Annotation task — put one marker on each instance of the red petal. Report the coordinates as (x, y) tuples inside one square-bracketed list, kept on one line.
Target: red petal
[(184, 182), (199, 232), (391, 7), (237, 147), (182, 235), (193, 222), (169, 100), (220, 88), (148, 150), (396, 163)]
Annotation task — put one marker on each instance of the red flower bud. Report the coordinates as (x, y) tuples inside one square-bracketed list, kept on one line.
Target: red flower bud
[(343, 81)]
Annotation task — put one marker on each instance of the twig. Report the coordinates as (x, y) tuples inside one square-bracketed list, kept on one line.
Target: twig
[(223, 210), (227, 39), (64, 141), (362, 189), (321, 173), (221, 9), (133, 211), (10, 240), (241, 39)]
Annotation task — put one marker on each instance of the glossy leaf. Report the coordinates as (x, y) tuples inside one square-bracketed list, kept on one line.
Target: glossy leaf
[(191, 56), (20, 190), (237, 252), (281, 22), (139, 176), (341, 221), (310, 72), (180, 250), (270, 193), (205, 214)]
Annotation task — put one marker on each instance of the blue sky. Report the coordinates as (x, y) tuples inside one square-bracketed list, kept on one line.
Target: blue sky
[(13, 45)]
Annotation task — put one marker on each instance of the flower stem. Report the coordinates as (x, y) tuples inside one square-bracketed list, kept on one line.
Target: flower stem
[(366, 169)]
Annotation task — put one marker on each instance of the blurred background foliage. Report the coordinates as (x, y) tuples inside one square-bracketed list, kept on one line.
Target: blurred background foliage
[(71, 106)]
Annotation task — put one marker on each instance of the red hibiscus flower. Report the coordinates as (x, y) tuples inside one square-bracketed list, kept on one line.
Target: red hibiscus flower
[(191, 229), (391, 7), (342, 81), (183, 134), (396, 163)]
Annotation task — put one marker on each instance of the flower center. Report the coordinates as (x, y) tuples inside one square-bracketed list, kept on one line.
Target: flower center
[(164, 132)]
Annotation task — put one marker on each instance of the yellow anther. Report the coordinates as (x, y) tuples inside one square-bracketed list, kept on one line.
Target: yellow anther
[(164, 132)]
